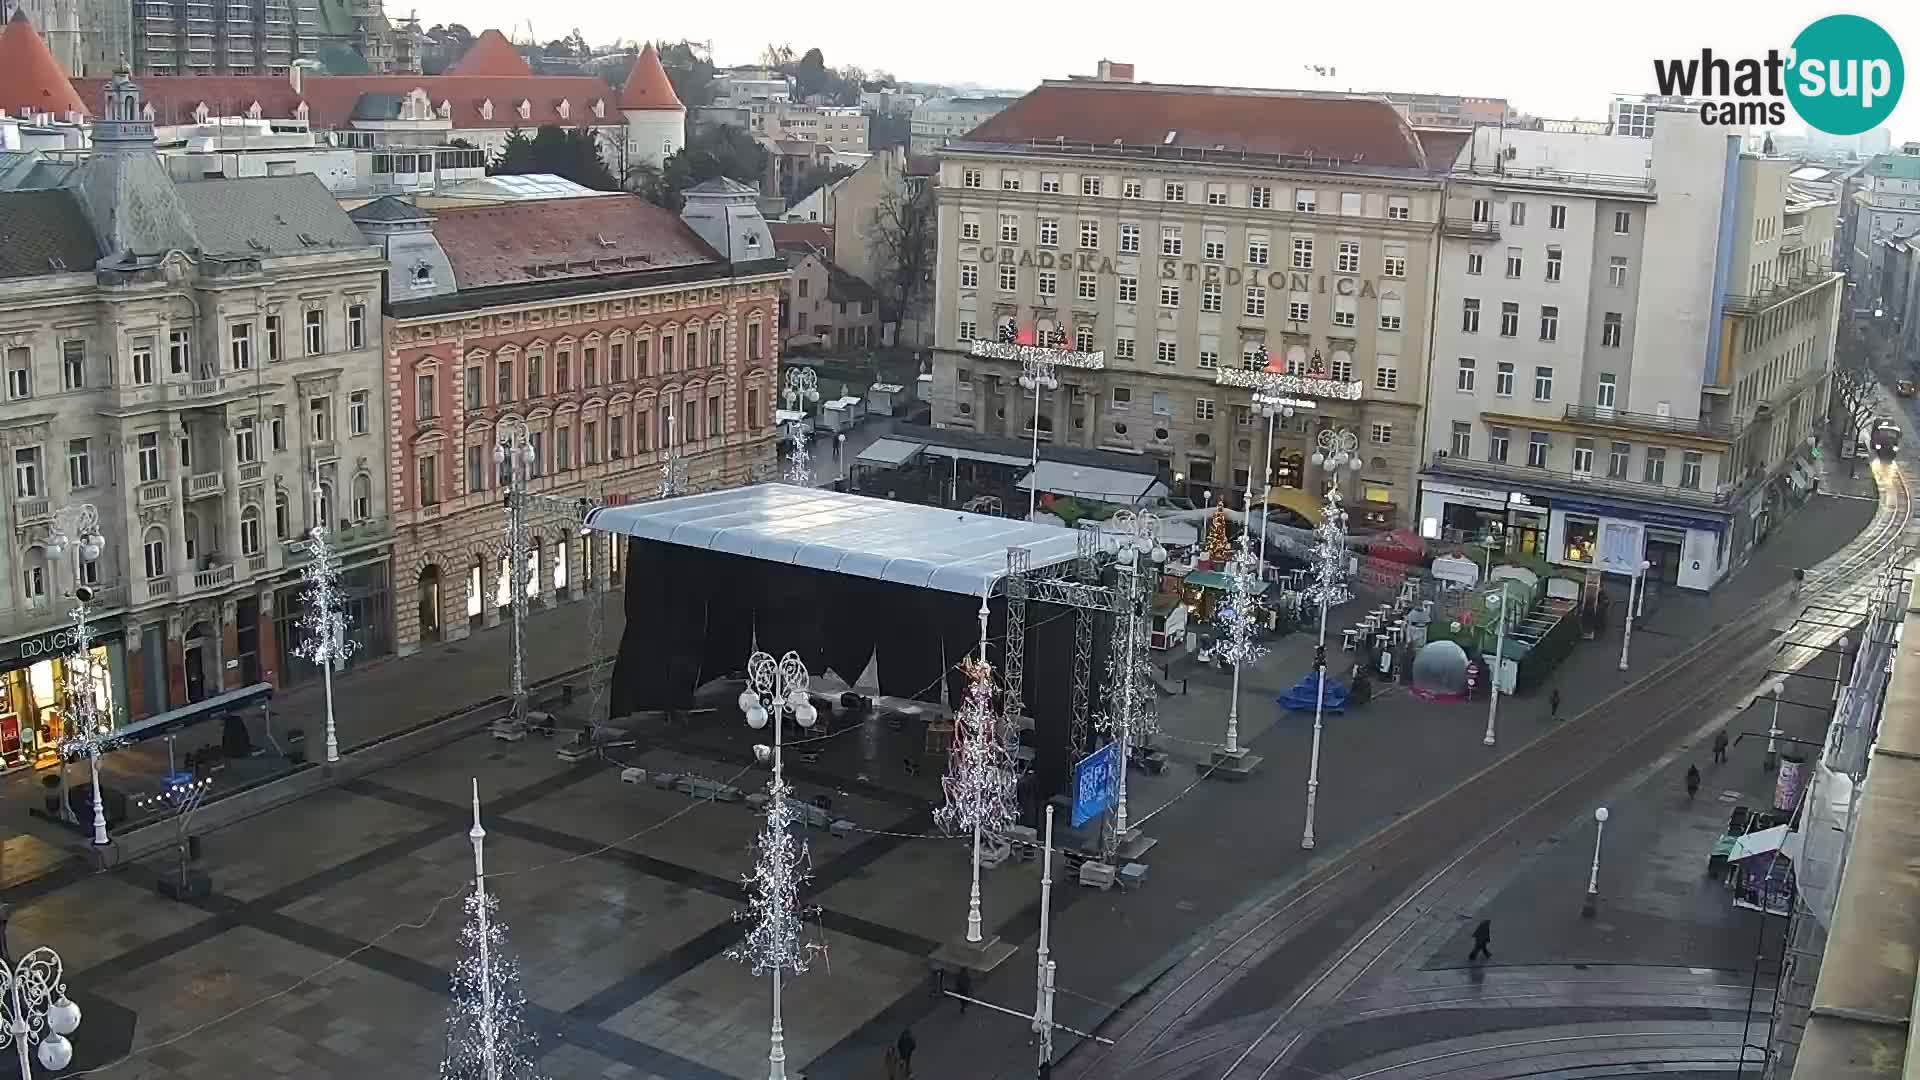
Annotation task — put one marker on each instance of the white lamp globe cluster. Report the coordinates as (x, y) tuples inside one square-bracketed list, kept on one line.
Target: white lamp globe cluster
[(56, 1050), (89, 545), (804, 713), (1030, 380), (523, 453)]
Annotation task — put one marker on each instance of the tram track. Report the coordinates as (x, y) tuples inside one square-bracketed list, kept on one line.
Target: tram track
[(1551, 778)]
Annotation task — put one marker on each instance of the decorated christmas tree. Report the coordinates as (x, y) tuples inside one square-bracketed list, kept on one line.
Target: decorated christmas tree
[(1219, 548), (487, 1033)]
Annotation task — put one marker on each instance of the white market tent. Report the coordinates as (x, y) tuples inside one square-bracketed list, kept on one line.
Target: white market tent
[(889, 453), (1093, 482), (922, 546)]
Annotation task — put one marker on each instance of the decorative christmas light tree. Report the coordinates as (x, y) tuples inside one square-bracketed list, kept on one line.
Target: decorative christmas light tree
[(1238, 615), (88, 732), (487, 1033), (323, 623), (1329, 588), (1219, 548), (978, 786)]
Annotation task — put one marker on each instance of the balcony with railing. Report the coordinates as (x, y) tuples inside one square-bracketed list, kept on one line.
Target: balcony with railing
[(31, 511), (1546, 176), (186, 391), (217, 575), (1655, 423), (154, 493), (1462, 228), (1813, 275), (1501, 472), (205, 485)]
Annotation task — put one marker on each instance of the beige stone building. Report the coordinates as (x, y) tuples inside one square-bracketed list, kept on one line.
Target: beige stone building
[(1184, 232)]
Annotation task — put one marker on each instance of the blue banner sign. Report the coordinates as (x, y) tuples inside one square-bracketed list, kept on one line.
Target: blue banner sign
[(1096, 783)]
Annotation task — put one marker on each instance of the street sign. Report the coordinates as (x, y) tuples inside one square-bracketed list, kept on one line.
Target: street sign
[(1096, 783)]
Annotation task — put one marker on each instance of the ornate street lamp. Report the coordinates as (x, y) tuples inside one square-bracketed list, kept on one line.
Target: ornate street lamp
[(87, 733), (513, 447)]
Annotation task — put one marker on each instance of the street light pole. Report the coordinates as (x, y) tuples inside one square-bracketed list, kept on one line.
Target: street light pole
[(1626, 633), (513, 447), (36, 1007), (1238, 618), (76, 531), (1036, 375), (1140, 557), (1043, 969), (1335, 447), (1273, 408), (803, 386), (1498, 602), (1773, 729), (1592, 902)]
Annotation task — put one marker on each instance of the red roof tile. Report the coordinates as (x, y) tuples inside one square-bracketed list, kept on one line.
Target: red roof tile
[(175, 97), (31, 80), (798, 234), (647, 85), (1443, 145), (1205, 117), (491, 54), (330, 99), (515, 243)]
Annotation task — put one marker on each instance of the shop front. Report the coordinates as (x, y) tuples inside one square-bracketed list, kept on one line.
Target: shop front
[(33, 677), (1685, 551), (369, 614), (1508, 522)]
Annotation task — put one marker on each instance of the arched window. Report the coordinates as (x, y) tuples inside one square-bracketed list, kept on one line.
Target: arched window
[(559, 566), (250, 539), (325, 514), (33, 575), (362, 497), (282, 516), (154, 547)]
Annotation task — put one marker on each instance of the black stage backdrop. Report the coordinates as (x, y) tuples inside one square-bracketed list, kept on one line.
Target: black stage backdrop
[(694, 616)]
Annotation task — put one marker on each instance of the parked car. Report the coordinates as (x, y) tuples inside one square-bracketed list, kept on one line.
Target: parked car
[(1904, 388)]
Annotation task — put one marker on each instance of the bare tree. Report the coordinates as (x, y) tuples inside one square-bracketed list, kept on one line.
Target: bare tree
[(1858, 389), (900, 238)]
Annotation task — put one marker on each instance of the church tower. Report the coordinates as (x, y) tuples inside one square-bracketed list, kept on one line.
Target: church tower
[(656, 121)]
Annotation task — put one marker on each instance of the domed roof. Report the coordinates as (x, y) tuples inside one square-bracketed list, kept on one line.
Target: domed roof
[(491, 54), (647, 85), (30, 78)]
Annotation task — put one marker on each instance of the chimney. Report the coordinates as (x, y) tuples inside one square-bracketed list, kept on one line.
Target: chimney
[(1113, 71)]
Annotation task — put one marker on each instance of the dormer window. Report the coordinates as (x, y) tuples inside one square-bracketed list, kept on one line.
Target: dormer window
[(525, 109), (486, 110), (422, 276), (147, 113), (599, 108), (299, 113), (445, 110), (565, 109)]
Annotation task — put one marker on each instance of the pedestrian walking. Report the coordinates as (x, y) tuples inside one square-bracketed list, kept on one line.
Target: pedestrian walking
[(1553, 703), (1482, 936), (1693, 781), (1720, 747), (905, 1045), (963, 985)]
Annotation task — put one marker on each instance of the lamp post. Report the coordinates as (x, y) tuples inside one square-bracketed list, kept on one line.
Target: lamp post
[(1043, 967), (324, 619), (673, 465), (37, 1010), (1498, 603), (76, 531), (1274, 409), (1336, 447), (1238, 618), (1626, 633), (1036, 375), (774, 687), (803, 386), (1592, 901), (1778, 687), (1140, 557), (513, 447)]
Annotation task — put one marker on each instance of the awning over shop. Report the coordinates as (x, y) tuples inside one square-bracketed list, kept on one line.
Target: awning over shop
[(1296, 500), (1093, 482), (1764, 842), (888, 453), (987, 456)]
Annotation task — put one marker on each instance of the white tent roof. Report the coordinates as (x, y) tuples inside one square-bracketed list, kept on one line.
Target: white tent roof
[(1764, 842), (1105, 485), (922, 546), (888, 452)]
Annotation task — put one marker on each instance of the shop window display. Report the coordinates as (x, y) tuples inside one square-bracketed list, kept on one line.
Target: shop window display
[(33, 708), (1582, 536)]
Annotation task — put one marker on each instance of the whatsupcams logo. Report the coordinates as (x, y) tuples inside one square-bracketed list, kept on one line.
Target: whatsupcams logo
[(1843, 76)]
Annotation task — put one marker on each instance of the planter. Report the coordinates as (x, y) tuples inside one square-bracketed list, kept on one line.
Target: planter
[(54, 804), (297, 747)]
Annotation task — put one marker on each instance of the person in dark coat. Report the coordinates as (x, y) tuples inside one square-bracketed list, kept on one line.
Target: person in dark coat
[(963, 985), (1482, 937), (1693, 781), (905, 1045), (1553, 703), (1720, 748)]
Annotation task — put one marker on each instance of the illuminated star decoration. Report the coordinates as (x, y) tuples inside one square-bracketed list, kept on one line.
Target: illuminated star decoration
[(323, 622), (978, 787), (776, 941)]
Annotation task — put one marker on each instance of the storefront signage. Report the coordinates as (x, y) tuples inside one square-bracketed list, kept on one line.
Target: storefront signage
[(1038, 354), (53, 643), (1629, 513), (1497, 498), (1519, 498), (1279, 383), (1087, 262)]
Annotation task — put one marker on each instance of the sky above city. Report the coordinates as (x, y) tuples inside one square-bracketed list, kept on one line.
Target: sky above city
[(1551, 60)]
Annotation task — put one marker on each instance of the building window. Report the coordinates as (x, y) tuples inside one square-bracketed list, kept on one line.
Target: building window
[(1303, 201), (1083, 338), (250, 538), (1009, 229), (1345, 311), (1087, 287), (1173, 191), (1123, 348), (1690, 467), (1209, 354), (282, 516), (1129, 239), (1169, 296), (536, 385), (1622, 222), (1303, 253), (969, 279), (1583, 456), (476, 468), (1203, 409), (1390, 311), (154, 547), (1605, 395), (273, 338), (148, 456), (1543, 384), (1009, 277), (1049, 283), (1497, 440), (1470, 316), (1166, 352), (617, 427), (969, 330), (1398, 208), (1162, 404), (1089, 234), (1393, 265), (1386, 373), (502, 381), (563, 448), (429, 489), (1549, 324), (1463, 378), (1503, 379), (1557, 216), (1049, 232), (316, 329), (1610, 330), (1483, 210), (1009, 180), (1517, 213), (1258, 247), (26, 473), (1260, 197), (277, 427), (1462, 439), (1216, 194), (753, 341), (1215, 247), (472, 388), (1256, 302), (1120, 399), (1514, 262), (1617, 271), (970, 178), (1346, 259), (1538, 446), (969, 231), (1132, 189), (179, 352), (1050, 183), (1618, 456), (1171, 242), (246, 447), (1350, 203), (617, 362), (19, 374), (1383, 434), (1509, 320), (563, 363), (79, 464), (1342, 367), (73, 365), (1299, 310), (1476, 262), (319, 419), (1656, 467), (1553, 264), (1090, 185), (141, 363)]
